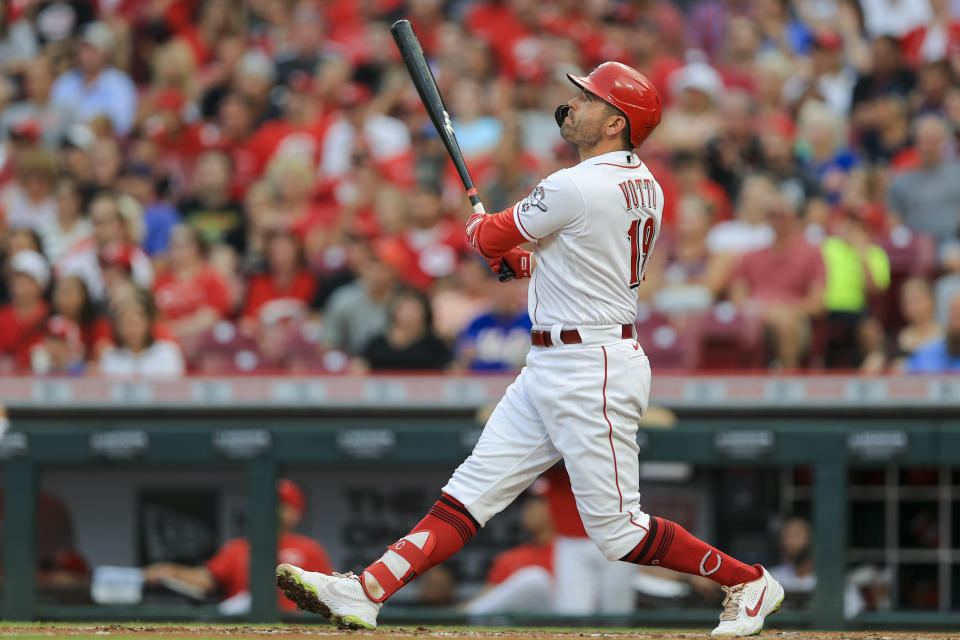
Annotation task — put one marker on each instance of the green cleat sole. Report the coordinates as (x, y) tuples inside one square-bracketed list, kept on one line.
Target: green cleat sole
[(353, 622), (307, 599)]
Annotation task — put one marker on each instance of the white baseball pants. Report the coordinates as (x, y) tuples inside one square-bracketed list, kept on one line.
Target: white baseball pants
[(581, 403)]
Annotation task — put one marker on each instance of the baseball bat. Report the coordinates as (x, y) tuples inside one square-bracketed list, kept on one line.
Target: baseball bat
[(426, 84)]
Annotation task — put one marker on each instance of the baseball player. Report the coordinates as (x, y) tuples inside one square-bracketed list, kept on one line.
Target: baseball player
[(586, 383)]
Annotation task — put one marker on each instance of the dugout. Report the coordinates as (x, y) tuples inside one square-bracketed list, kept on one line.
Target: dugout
[(865, 458)]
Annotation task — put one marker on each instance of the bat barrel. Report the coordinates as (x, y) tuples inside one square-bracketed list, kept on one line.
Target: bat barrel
[(426, 84)]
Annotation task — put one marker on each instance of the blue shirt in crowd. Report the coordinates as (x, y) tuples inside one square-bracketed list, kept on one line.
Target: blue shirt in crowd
[(159, 219), (500, 342), (933, 358), (112, 94)]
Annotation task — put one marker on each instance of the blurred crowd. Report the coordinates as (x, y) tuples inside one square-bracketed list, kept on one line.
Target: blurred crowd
[(219, 187)]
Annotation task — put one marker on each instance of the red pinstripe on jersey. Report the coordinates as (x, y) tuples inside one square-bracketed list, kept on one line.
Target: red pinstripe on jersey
[(622, 166), (616, 471)]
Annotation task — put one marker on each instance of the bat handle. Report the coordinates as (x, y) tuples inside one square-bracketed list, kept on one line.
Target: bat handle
[(506, 273)]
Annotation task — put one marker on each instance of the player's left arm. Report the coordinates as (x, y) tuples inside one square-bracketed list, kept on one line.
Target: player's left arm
[(495, 234), (200, 577), (553, 204)]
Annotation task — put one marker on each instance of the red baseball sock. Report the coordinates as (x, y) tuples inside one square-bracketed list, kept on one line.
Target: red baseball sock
[(670, 545), (445, 529)]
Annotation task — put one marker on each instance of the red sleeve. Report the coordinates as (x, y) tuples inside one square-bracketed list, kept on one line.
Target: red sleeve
[(306, 287), (225, 563), (6, 324), (526, 555), (502, 567), (162, 331), (97, 335), (217, 296), (498, 234), (911, 43), (257, 294)]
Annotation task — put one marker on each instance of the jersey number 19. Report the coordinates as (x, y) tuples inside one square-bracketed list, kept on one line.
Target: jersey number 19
[(639, 249)]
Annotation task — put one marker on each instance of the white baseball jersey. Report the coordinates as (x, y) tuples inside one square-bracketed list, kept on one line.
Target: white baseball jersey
[(595, 226)]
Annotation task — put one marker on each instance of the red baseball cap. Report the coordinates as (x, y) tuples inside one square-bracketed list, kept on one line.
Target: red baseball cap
[(302, 82), (354, 94), (829, 40), (28, 129), (171, 99), (63, 328), (117, 255), (291, 495)]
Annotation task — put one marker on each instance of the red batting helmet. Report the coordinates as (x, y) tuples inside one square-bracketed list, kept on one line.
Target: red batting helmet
[(628, 90)]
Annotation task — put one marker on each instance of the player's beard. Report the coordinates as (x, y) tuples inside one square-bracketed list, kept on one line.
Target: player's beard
[(583, 135)]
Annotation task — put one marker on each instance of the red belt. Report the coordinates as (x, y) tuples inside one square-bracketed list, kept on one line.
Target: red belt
[(570, 336)]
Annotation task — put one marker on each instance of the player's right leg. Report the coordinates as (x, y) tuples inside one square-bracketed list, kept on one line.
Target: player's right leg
[(513, 450), (593, 423)]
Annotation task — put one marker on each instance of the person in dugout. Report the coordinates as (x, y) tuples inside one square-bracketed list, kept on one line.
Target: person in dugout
[(228, 571)]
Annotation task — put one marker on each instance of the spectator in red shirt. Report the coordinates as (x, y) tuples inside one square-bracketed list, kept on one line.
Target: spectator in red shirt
[(938, 39), (287, 287), (228, 571), (537, 522), (22, 322), (782, 284), (234, 134), (692, 180), (431, 246), (217, 21), (507, 27), (292, 177), (58, 563), (16, 240), (113, 242), (521, 578), (61, 351), (190, 294)]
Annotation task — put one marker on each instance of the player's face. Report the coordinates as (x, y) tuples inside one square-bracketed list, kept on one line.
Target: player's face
[(584, 123), (288, 517)]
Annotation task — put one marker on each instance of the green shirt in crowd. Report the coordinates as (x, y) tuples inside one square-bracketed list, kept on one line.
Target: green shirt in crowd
[(846, 286)]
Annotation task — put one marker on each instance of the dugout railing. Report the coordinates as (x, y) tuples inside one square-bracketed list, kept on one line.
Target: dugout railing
[(261, 425)]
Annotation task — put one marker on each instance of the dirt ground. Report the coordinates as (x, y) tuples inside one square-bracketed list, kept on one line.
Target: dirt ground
[(219, 632)]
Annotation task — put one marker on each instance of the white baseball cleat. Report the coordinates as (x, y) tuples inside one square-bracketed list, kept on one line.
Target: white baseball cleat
[(339, 597), (747, 605)]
